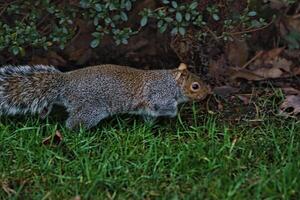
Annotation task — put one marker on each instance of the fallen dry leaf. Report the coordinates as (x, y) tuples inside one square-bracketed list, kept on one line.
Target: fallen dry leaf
[(56, 139), (217, 69), (278, 4), (290, 91), (244, 74), (244, 98), (296, 70), (289, 29), (7, 189), (291, 102), (225, 91), (266, 73), (273, 53), (267, 65), (237, 52), (266, 58)]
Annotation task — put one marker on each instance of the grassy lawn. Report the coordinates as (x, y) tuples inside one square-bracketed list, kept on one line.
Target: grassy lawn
[(123, 158)]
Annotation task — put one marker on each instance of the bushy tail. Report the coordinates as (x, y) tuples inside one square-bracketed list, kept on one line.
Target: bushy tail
[(26, 89)]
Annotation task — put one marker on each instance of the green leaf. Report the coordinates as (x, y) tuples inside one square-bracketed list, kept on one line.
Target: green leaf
[(22, 51), (98, 7), (187, 16), (179, 17), (163, 28), (108, 20), (124, 41), (96, 34), (124, 16), (15, 50), (174, 4), (174, 31), (62, 46), (182, 31), (95, 43), (216, 17), (128, 5), (144, 21), (252, 14), (112, 6), (166, 1), (193, 5), (160, 23), (168, 19), (96, 21), (255, 23), (118, 42)]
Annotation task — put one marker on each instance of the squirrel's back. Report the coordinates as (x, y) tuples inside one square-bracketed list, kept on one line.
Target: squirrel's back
[(27, 89), (120, 88)]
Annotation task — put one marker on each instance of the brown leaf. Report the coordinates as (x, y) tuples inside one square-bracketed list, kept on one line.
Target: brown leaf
[(290, 91), (257, 75), (237, 52), (293, 53), (244, 98), (289, 25), (217, 68), (278, 4), (56, 139), (266, 73), (244, 74), (296, 71), (225, 91), (267, 56), (293, 23), (291, 102), (267, 65), (282, 63)]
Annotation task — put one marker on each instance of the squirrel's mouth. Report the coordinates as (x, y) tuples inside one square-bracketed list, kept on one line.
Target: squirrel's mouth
[(205, 92)]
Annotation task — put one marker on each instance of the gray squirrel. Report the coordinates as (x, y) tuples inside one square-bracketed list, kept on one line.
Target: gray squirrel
[(94, 93)]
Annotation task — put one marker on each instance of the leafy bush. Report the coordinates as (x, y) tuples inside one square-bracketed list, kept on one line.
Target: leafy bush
[(179, 17), (46, 23), (35, 24), (108, 18)]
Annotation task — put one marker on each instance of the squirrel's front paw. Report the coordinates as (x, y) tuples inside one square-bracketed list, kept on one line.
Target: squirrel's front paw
[(149, 119)]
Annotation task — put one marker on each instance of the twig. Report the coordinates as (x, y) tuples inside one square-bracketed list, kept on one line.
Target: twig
[(296, 16), (212, 33), (252, 59), (252, 30)]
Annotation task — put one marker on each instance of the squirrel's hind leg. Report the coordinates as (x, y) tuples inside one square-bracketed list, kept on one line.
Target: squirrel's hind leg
[(88, 117)]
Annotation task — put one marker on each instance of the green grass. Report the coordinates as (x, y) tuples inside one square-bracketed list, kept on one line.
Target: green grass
[(123, 158)]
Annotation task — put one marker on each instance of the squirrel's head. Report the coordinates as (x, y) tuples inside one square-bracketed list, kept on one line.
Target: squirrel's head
[(193, 87)]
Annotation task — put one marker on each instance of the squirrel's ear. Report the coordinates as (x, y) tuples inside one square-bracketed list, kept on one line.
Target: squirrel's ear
[(182, 66), (182, 69)]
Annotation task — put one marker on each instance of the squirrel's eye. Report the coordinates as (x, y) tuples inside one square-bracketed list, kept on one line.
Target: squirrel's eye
[(195, 86)]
